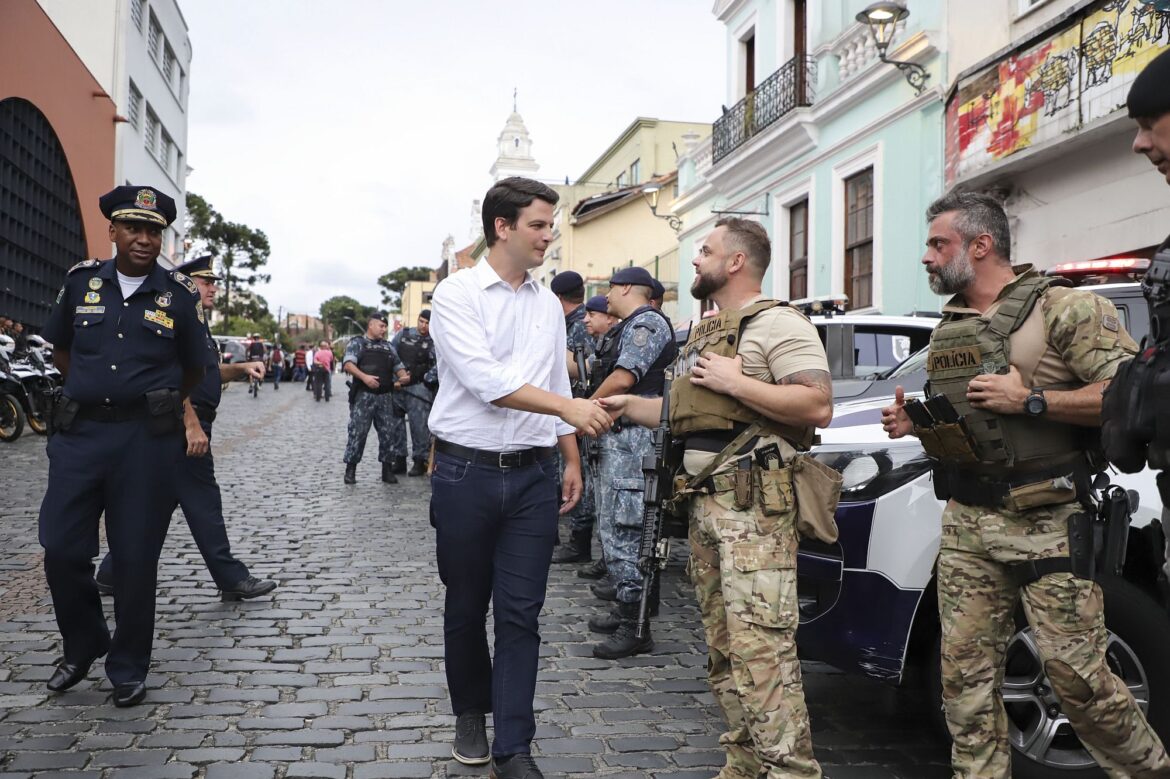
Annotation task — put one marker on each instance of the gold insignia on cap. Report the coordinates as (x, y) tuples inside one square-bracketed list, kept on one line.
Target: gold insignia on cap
[(146, 199), (95, 283)]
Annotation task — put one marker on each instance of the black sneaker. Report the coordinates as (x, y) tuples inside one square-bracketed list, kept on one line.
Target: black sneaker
[(515, 767), (471, 744)]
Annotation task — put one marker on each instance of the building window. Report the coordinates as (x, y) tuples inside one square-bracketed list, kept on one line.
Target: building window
[(137, 11), (150, 132), (165, 150), (798, 251), (134, 108), (621, 179), (748, 52), (178, 175), (635, 171), (859, 239), (154, 39), (168, 65)]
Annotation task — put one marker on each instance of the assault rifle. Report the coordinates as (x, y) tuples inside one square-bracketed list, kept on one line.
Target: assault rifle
[(581, 385), (654, 550)]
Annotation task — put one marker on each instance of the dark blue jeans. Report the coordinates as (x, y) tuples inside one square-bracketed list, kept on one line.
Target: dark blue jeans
[(495, 530)]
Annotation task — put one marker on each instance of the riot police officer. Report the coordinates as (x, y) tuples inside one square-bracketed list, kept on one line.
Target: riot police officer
[(197, 490), (376, 370), (569, 288), (1021, 362), (636, 355), (412, 401), (129, 337)]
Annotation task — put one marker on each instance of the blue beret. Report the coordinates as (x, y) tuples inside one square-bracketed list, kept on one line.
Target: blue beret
[(657, 291), (633, 275), (138, 204), (566, 282), (380, 316), (1149, 96), (597, 303), (199, 268)]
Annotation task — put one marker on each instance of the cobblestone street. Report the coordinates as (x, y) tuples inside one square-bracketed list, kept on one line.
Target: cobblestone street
[(339, 673)]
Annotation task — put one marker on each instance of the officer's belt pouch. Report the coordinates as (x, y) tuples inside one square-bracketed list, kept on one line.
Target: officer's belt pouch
[(64, 414), (947, 441), (817, 490), (743, 488), (774, 490), (1047, 492), (164, 412)]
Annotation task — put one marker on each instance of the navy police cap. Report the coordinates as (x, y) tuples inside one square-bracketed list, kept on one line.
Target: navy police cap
[(138, 204), (566, 282), (199, 268), (1149, 96), (597, 303), (657, 291), (633, 275)]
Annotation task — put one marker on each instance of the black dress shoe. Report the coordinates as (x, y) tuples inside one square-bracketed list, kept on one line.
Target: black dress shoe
[(129, 694), (248, 588), (69, 674), (515, 767), (471, 746)]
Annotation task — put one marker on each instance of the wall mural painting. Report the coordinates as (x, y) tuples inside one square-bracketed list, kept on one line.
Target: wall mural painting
[(1069, 79)]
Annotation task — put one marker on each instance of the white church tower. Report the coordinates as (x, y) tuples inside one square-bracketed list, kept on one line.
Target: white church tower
[(515, 149)]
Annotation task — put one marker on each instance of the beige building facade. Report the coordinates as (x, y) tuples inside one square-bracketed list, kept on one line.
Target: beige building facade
[(416, 296)]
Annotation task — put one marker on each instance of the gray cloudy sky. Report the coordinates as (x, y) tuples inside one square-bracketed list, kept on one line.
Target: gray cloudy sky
[(356, 133)]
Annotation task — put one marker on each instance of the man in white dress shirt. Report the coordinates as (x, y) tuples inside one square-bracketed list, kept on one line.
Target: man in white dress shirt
[(503, 403)]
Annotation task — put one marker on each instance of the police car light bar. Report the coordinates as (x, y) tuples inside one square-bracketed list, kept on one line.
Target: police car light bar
[(1114, 265)]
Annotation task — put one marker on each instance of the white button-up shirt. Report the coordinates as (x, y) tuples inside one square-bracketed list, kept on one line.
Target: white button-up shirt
[(490, 340)]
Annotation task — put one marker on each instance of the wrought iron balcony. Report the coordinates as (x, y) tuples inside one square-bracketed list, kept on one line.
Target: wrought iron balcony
[(789, 87)]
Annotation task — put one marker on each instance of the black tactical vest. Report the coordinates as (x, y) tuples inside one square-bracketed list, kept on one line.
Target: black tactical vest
[(652, 383), (417, 353), (376, 358)]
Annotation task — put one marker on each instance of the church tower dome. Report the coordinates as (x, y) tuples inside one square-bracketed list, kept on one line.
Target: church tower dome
[(514, 149)]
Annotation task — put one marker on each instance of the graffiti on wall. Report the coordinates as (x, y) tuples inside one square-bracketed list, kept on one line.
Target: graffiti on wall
[(1071, 78)]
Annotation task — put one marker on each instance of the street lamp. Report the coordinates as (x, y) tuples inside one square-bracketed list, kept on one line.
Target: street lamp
[(650, 192), (882, 18)]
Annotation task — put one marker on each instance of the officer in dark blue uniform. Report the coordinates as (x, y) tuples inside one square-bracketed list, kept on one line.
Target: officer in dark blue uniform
[(413, 399), (129, 337), (198, 491)]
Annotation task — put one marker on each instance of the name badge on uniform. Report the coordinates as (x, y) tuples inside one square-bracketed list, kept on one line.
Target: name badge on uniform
[(163, 300), (93, 297), (89, 310), (160, 318), (95, 283)]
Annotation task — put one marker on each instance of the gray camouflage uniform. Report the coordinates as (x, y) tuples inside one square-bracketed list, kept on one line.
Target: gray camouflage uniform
[(369, 408)]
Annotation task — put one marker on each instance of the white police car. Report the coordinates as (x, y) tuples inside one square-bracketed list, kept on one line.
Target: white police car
[(868, 603)]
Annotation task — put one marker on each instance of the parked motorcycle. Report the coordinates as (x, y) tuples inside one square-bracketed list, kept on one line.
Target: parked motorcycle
[(39, 390), (11, 413)]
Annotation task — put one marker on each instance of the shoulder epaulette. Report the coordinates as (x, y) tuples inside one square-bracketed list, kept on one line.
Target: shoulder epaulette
[(84, 264), (185, 280)]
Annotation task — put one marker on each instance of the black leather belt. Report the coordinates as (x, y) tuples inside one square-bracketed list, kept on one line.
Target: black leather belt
[(205, 414), (974, 489), (716, 442), (123, 412), (515, 459)]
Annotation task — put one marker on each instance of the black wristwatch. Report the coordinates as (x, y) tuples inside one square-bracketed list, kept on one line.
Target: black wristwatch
[(1035, 405)]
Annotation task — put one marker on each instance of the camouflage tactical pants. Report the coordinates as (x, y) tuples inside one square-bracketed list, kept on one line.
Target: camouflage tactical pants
[(743, 566), (584, 515), (977, 597), (620, 487), (413, 403), (368, 409)]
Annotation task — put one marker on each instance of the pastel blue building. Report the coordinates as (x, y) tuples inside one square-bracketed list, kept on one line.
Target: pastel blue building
[(835, 152)]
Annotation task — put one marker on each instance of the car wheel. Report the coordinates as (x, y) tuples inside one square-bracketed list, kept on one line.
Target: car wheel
[(1044, 745)]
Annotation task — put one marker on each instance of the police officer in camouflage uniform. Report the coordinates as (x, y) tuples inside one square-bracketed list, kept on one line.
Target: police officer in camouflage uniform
[(569, 288), (636, 355), (376, 370), (749, 387), (1024, 360), (412, 402)]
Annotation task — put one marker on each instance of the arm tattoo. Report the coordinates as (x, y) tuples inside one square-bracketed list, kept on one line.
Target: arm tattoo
[(813, 378)]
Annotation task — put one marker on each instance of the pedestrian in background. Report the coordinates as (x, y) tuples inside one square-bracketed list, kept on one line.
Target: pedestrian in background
[(500, 338), (299, 363), (276, 360), (377, 371), (323, 365)]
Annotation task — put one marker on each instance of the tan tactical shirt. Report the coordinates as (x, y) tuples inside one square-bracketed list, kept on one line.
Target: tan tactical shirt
[(1073, 337), (775, 343)]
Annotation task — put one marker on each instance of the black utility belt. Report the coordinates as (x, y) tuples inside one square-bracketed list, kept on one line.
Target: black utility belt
[(121, 412), (716, 441), (514, 459), (205, 414), (1018, 492), (622, 423)]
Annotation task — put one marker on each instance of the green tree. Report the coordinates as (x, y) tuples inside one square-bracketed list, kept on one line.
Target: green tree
[(338, 310), (241, 251), (394, 282)]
